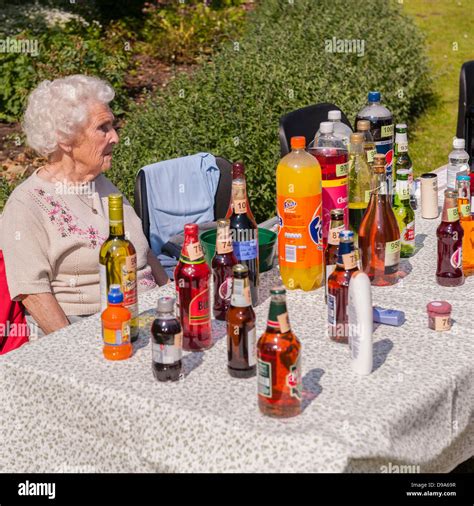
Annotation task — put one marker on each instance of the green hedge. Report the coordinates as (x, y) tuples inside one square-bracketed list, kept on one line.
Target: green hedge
[(231, 106)]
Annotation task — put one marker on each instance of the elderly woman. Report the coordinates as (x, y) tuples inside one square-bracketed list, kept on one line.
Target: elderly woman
[(51, 236)]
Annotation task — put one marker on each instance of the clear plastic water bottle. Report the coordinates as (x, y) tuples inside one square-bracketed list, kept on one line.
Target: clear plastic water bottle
[(340, 130), (458, 162)]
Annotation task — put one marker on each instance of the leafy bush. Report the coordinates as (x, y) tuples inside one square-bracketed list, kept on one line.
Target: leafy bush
[(231, 106), (72, 48), (180, 33)]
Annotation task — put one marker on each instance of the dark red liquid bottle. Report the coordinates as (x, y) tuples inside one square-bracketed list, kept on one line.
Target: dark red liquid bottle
[(192, 278), (222, 264), (450, 234)]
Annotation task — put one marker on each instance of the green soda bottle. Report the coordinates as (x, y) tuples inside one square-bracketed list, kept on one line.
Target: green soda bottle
[(404, 213)]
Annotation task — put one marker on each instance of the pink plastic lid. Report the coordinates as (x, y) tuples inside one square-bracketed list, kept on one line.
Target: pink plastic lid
[(439, 306)]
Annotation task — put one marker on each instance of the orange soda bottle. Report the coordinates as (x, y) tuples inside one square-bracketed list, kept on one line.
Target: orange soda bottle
[(116, 321), (300, 231)]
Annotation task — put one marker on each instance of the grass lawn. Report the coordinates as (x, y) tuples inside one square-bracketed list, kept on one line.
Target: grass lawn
[(444, 23)]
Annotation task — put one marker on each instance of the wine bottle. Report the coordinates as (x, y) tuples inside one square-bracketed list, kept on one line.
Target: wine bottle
[(244, 229), (118, 263)]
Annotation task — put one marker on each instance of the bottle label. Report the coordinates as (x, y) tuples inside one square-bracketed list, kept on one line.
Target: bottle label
[(300, 231), (223, 243), (342, 169), (349, 260), (241, 296), (284, 322), (199, 309), (194, 251), (331, 309), (246, 250), (403, 189), (239, 197), (117, 337), (392, 256), (225, 290), (371, 155), (333, 237), (453, 214), (168, 353), (386, 131), (456, 259), (265, 378), (402, 147), (293, 379), (465, 210), (129, 282), (408, 234), (440, 323)]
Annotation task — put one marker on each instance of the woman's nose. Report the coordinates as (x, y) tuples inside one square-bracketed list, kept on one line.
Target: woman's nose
[(114, 138)]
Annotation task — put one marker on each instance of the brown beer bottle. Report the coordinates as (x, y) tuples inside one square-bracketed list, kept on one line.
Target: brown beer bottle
[(222, 263), (279, 362), (241, 330), (330, 254)]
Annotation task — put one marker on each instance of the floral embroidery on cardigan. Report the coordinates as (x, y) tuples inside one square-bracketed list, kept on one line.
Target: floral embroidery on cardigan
[(66, 222)]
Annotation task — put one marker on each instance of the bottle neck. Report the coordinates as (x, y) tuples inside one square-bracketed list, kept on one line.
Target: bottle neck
[(380, 184), (346, 256), (450, 210), (356, 149), (401, 142), (335, 227), (402, 193), (224, 240), (191, 252), (116, 226), (165, 316), (239, 196), (278, 315)]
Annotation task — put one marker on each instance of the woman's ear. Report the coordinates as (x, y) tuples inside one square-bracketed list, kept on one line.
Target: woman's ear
[(67, 148)]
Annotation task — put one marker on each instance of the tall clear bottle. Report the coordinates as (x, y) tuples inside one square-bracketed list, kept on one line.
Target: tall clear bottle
[(332, 155), (450, 236), (379, 235), (300, 231), (458, 162), (359, 183), (118, 263), (279, 362), (404, 214), (244, 229), (193, 280), (363, 127)]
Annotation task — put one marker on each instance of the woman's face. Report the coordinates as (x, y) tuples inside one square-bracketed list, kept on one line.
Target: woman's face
[(92, 150)]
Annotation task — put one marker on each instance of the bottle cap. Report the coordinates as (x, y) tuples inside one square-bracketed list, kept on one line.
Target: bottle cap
[(334, 115), (278, 290), (346, 235), (459, 143), (401, 125), (363, 125), (439, 306), (115, 294), (240, 269), (166, 304), (463, 177), (238, 170), (357, 138), (191, 228), (374, 96), (337, 214), (326, 127), (222, 223), (298, 142), (115, 201)]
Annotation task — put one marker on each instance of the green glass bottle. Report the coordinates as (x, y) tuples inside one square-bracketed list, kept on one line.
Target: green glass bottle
[(404, 213), (118, 263), (359, 182), (402, 159)]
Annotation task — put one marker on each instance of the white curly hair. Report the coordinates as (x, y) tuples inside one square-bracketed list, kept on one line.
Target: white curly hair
[(58, 109)]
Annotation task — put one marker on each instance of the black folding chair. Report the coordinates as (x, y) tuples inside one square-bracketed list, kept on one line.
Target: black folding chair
[(221, 202), (465, 127), (305, 122)]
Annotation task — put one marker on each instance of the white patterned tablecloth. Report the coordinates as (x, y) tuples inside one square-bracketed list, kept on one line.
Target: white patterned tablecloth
[(66, 409)]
